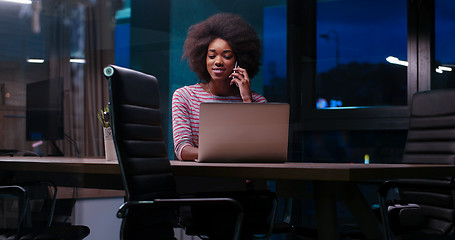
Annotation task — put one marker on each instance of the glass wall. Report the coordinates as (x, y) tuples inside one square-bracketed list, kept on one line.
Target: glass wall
[(361, 53), (51, 59), (370, 146), (359, 75), (444, 75), (65, 45), (360, 58)]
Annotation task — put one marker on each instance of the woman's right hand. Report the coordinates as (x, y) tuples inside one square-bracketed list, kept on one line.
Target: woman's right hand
[(241, 79), (189, 153)]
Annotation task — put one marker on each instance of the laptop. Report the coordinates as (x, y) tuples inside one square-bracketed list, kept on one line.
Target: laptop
[(243, 132)]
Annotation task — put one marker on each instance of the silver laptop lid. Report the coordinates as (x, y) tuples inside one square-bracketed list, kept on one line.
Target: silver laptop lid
[(243, 132)]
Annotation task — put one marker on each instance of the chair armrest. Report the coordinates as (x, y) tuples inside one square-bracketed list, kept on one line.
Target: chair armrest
[(405, 183), (123, 210), (386, 186), (241, 196), (14, 191)]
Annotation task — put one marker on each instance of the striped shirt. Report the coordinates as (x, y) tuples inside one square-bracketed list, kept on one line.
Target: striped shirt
[(185, 113)]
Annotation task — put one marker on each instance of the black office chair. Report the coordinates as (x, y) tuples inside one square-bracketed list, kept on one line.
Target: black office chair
[(151, 206), (34, 216), (13, 219), (424, 208)]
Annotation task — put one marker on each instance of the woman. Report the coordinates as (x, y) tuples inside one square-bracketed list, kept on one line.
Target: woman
[(224, 52)]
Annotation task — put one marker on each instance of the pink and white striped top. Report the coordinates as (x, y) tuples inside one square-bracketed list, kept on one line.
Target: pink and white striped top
[(185, 113)]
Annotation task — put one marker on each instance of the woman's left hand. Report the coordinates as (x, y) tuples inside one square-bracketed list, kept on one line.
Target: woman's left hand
[(242, 81)]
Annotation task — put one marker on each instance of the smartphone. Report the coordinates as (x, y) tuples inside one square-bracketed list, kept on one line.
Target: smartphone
[(235, 66)]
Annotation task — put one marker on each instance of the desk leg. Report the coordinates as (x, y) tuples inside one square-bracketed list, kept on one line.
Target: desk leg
[(326, 212), (361, 211)]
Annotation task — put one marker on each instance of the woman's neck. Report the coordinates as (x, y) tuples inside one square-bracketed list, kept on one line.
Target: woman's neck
[(222, 89)]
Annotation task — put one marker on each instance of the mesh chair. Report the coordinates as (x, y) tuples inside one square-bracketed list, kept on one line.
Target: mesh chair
[(32, 207), (151, 200), (424, 208)]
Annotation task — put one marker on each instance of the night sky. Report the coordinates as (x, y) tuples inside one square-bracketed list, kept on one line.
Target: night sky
[(445, 31), (368, 31)]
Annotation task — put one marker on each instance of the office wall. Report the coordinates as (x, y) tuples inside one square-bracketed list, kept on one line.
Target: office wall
[(100, 216)]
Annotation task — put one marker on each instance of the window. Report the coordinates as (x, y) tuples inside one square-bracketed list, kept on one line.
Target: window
[(444, 76), (351, 79), (361, 54)]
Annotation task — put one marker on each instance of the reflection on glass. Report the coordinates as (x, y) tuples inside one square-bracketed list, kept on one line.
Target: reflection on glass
[(354, 40), (354, 146), (444, 48), (274, 58), (62, 45)]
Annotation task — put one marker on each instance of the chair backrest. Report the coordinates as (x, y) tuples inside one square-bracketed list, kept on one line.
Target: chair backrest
[(136, 126), (431, 134), (431, 140)]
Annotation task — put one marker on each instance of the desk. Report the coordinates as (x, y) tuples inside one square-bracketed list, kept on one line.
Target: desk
[(327, 179), (98, 173), (342, 172), (65, 172)]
